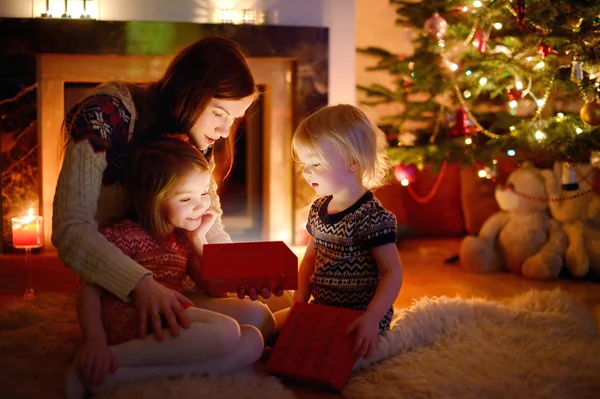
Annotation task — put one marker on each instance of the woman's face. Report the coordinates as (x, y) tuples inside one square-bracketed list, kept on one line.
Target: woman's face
[(216, 120)]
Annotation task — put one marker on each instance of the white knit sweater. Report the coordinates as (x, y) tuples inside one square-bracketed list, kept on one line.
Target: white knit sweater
[(82, 205)]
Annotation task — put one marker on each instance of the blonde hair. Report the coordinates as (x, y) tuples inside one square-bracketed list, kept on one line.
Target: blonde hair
[(350, 132), (156, 167)]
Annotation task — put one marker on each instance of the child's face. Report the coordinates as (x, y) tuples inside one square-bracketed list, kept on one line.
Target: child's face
[(216, 120), (326, 180), (187, 201)]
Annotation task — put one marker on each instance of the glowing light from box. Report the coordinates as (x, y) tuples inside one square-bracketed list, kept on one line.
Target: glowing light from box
[(284, 236)]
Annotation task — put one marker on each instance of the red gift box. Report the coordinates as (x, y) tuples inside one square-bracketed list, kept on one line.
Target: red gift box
[(314, 348), (229, 266)]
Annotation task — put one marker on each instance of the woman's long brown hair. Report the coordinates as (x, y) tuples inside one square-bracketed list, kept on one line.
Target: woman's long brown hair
[(213, 67)]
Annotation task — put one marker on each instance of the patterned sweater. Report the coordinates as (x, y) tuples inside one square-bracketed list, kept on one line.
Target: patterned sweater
[(346, 274), (89, 194), (168, 263)]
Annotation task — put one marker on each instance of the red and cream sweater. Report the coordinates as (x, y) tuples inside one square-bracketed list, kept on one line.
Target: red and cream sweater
[(89, 194)]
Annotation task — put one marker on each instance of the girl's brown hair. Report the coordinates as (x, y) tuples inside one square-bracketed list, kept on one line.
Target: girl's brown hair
[(213, 67), (155, 167)]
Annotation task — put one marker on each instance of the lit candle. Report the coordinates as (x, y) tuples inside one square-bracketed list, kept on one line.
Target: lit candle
[(28, 231)]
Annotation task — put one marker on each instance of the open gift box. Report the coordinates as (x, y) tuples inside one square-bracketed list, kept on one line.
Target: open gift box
[(230, 266), (314, 347)]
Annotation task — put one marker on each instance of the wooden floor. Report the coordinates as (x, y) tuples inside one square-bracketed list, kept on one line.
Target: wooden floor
[(425, 274)]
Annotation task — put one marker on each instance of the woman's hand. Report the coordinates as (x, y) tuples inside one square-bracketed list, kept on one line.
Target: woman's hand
[(95, 361), (366, 327), (153, 300), (253, 293)]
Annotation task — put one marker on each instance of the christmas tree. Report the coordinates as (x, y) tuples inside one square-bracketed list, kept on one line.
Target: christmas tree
[(491, 79)]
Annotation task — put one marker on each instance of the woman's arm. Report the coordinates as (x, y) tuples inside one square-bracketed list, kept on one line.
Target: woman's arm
[(74, 228), (307, 268)]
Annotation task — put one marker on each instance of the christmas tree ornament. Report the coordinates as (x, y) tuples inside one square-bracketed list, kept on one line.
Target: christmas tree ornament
[(405, 174), (590, 113), (544, 50), (515, 94), (569, 177), (461, 124), (520, 9), (595, 159), (577, 69), (479, 40), (435, 26)]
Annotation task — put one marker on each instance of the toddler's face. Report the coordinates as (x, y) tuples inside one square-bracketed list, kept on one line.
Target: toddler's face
[(327, 179), (187, 201)]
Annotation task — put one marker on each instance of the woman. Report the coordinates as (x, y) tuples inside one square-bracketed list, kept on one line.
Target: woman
[(205, 88)]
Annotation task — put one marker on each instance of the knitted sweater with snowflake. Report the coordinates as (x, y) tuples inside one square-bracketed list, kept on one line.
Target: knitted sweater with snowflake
[(89, 194)]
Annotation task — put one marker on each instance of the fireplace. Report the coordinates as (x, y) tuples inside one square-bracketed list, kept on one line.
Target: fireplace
[(265, 136)]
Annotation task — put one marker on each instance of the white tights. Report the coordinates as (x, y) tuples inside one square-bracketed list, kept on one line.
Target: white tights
[(225, 334)]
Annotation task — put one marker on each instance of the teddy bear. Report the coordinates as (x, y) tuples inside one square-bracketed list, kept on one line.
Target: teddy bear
[(521, 237), (577, 208)]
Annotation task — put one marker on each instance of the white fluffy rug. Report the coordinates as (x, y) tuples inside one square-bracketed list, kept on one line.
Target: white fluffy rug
[(539, 345)]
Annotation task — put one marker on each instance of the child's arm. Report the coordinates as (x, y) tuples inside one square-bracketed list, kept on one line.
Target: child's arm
[(367, 325), (307, 268), (390, 269), (95, 360)]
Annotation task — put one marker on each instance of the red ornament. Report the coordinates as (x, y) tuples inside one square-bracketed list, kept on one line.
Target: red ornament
[(405, 172), (461, 124), (515, 94), (544, 50), (479, 40), (435, 26)]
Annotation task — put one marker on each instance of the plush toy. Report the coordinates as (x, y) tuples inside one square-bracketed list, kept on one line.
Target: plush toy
[(578, 209), (522, 237)]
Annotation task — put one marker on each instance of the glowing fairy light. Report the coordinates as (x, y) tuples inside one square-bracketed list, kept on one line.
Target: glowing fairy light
[(467, 93), (519, 85), (497, 25), (482, 173), (482, 81), (539, 135), (578, 130), (511, 153), (513, 103), (468, 141), (404, 182)]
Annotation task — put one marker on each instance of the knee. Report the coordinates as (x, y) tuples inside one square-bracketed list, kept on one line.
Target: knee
[(251, 343), (258, 315), (227, 335)]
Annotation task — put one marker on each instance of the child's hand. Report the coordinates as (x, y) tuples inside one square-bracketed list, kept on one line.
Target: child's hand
[(208, 219), (94, 362), (199, 235), (366, 327)]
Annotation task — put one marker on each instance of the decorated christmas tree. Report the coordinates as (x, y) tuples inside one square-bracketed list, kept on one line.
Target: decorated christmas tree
[(490, 79)]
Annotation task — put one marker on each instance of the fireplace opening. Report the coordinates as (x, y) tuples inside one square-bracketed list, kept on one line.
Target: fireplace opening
[(241, 193)]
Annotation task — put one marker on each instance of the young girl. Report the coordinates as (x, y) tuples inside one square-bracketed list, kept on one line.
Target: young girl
[(351, 260), (169, 187)]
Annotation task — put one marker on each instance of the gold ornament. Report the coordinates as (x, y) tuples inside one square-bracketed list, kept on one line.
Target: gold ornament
[(590, 113)]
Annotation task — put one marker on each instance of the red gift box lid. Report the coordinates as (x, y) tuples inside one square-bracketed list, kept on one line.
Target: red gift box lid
[(270, 264), (314, 348)]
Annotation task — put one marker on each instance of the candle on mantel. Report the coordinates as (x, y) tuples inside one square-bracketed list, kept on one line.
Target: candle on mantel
[(28, 231)]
